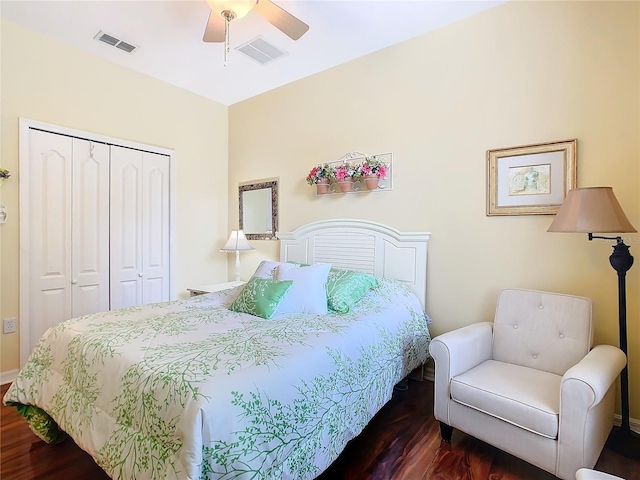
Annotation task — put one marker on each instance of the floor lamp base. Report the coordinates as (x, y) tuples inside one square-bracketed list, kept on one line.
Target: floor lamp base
[(624, 442)]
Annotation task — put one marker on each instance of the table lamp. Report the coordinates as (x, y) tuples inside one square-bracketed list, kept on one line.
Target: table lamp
[(596, 210), (237, 243)]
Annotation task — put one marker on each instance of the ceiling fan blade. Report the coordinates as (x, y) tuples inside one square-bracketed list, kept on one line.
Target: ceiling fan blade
[(215, 28), (281, 19)]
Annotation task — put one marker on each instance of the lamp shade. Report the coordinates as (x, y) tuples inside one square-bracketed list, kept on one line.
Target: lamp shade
[(591, 210), (237, 242)]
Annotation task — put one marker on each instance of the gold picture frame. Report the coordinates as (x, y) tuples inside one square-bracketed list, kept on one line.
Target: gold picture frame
[(530, 179)]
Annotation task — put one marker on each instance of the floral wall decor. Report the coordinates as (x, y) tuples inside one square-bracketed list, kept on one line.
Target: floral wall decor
[(353, 172)]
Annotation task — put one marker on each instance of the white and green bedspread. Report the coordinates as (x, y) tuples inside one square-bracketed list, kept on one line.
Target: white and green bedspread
[(190, 390)]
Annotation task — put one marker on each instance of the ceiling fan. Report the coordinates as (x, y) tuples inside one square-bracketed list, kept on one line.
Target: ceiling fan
[(223, 12)]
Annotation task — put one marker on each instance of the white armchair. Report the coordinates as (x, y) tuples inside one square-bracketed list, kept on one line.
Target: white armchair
[(529, 383)]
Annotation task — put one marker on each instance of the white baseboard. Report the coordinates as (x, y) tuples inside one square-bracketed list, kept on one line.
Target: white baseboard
[(8, 377), (633, 423), (429, 374)]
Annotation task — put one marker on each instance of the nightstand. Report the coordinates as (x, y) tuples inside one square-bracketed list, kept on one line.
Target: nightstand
[(214, 287)]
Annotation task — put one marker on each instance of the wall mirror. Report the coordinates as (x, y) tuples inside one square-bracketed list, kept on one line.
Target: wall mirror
[(259, 210)]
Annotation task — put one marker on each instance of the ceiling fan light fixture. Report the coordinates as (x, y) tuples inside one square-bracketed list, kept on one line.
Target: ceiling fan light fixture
[(239, 7)]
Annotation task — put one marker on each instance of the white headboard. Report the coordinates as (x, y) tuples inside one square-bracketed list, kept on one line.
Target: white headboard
[(364, 246)]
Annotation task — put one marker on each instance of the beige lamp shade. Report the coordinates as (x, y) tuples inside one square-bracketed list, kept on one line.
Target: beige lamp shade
[(591, 210), (237, 242)]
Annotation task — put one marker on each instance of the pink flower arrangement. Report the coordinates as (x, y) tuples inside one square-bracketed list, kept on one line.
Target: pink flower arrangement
[(347, 170), (321, 171), (373, 166)]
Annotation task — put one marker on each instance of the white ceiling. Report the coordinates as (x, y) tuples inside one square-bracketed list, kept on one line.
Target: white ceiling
[(169, 34)]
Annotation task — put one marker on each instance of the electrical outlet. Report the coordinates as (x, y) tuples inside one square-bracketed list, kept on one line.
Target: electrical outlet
[(9, 325)]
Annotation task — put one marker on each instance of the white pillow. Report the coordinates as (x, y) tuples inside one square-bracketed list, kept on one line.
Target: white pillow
[(267, 269), (307, 293)]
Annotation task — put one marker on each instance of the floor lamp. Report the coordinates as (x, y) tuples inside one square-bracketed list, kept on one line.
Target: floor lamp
[(596, 209), (237, 243)]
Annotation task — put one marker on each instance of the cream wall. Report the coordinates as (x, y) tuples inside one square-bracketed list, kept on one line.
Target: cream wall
[(49, 81), (522, 73)]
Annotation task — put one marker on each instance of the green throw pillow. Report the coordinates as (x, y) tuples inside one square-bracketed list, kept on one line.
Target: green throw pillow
[(260, 297), (41, 424), (346, 287)]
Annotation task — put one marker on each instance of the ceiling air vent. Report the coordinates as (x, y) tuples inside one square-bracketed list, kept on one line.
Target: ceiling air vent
[(115, 42), (260, 50)]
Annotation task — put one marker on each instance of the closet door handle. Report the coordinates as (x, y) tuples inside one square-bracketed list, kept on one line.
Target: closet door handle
[(74, 281), (140, 275)]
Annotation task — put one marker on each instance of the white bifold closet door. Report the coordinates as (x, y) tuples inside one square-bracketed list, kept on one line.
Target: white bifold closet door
[(139, 227), (69, 229)]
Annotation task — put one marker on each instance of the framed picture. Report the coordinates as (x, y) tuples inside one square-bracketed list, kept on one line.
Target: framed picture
[(530, 180)]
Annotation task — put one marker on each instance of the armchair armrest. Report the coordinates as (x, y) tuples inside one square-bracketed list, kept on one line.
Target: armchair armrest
[(586, 408), (456, 352), (595, 373)]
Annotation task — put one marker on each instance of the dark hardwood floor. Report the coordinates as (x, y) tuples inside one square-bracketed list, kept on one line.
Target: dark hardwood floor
[(401, 442)]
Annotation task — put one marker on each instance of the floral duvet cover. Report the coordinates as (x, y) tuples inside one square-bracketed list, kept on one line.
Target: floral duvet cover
[(190, 390)]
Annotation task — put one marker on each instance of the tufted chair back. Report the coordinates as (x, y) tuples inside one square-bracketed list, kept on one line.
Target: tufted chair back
[(546, 331)]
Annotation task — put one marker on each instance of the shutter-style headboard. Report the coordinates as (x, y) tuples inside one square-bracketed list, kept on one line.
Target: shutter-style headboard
[(363, 246)]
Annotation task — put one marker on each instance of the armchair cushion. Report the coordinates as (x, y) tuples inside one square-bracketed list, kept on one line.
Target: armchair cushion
[(524, 397), (542, 330)]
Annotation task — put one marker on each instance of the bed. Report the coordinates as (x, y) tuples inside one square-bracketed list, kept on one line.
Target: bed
[(192, 390)]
